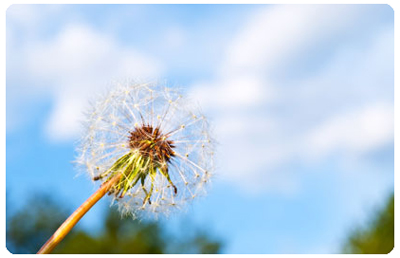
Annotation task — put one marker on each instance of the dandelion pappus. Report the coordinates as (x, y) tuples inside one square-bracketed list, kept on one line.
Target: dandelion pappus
[(152, 136)]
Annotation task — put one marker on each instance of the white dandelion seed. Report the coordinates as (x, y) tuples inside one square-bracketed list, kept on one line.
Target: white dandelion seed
[(155, 138)]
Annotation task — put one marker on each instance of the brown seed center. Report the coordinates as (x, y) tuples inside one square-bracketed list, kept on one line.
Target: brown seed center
[(150, 142)]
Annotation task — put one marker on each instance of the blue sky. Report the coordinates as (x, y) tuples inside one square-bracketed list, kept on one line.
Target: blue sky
[(301, 99)]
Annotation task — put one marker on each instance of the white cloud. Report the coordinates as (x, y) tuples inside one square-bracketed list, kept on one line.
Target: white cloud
[(174, 38), (237, 91), (345, 105), (76, 64), (81, 54), (63, 123), (30, 16), (355, 132), (276, 34)]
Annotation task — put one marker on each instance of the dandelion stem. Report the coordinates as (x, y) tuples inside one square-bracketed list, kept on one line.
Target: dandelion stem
[(66, 227)]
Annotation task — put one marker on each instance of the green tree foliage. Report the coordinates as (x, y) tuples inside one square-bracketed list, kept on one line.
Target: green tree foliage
[(29, 228), (377, 237)]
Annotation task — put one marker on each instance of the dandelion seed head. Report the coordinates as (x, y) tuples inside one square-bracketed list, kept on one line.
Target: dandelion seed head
[(156, 139)]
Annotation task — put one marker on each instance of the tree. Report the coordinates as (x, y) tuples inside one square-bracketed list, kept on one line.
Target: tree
[(377, 237), (30, 227)]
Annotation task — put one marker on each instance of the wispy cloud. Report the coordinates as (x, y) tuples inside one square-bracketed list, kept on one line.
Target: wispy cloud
[(269, 115), (74, 65), (294, 84), (356, 132)]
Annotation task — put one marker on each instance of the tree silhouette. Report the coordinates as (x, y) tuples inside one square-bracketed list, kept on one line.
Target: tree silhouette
[(377, 237), (30, 227)]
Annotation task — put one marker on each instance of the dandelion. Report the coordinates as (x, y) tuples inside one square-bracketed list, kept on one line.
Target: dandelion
[(148, 146)]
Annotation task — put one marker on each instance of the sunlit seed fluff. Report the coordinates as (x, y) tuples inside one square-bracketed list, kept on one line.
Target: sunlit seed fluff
[(155, 138)]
